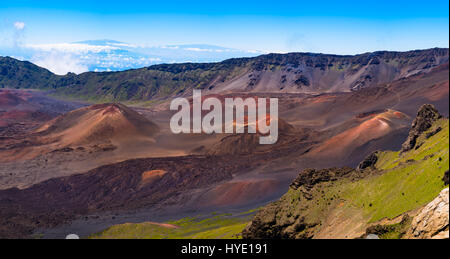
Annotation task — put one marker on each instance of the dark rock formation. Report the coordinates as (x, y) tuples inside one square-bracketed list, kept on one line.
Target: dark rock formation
[(445, 178), (426, 115), (305, 72), (295, 215), (302, 81), (287, 217), (434, 132), (311, 177), (369, 161)]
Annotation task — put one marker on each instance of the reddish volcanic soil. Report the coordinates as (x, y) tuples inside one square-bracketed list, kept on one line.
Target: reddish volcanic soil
[(11, 117), (234, 144), (96, 124), (75, 142), (373, 126), (112, 187), (239, 193), (70, 161), (163, 225), (8, 100)]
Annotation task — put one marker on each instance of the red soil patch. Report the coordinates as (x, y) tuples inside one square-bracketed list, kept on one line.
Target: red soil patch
[(15, 116), (112, 109), (372, 128), (113, 123), (322, 99), (9, 99), (438, 91), (166, 225), (256, 125), (152, 175), (399, 115), (239, 192)]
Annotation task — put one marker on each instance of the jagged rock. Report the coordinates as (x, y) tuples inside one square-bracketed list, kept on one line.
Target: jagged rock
[(311, 177), (369, 161), (286, 218), (302, 81), (294, 215), (269, 225), (434, 132), (433, 220), (445, 178), (442, 235), (426, 115)]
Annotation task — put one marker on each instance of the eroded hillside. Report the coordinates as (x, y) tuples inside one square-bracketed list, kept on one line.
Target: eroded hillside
[(387, 189), (281, 73)]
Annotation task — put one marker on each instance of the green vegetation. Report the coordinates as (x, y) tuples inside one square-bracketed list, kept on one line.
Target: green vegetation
[(392, 231), (223, 226), (410, 180), (144, 84), (398, 184), (166, 80)]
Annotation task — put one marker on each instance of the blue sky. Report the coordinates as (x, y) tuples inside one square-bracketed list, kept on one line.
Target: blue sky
[(339, 27)]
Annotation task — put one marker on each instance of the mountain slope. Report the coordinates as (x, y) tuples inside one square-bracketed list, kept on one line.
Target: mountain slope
[(71, 143), (118, 187), (343, 203), (290, 73), (114, 123), (23, 74), (371, 127), (89, 129)]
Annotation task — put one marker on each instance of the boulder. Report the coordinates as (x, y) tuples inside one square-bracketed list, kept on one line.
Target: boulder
[(288, 218), (369, 161), (445, 178), (426, 115), (432, 221)]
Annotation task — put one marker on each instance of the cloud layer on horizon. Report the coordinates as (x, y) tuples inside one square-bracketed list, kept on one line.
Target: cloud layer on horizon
[(105, 55), (108, 55), (59, 63)]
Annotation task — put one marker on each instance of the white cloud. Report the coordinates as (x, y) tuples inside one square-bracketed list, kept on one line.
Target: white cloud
[(71, 47), (123, 45), (61, 58), (59, 63), (19, 25), (165, 47), (203, 50)]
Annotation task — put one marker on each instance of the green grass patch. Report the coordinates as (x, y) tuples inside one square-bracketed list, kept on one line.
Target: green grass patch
[(392, 231), (223, 226), (410, 180)]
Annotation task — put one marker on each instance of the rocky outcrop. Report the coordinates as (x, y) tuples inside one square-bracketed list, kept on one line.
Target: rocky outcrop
[(426, 115), (306, 72), (369, 161), (433, 220), (318, 203), (445, 178), (310, 177), (288, 217), (267, 226)]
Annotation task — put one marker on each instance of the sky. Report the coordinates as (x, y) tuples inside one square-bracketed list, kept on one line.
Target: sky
[(336, 27)]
